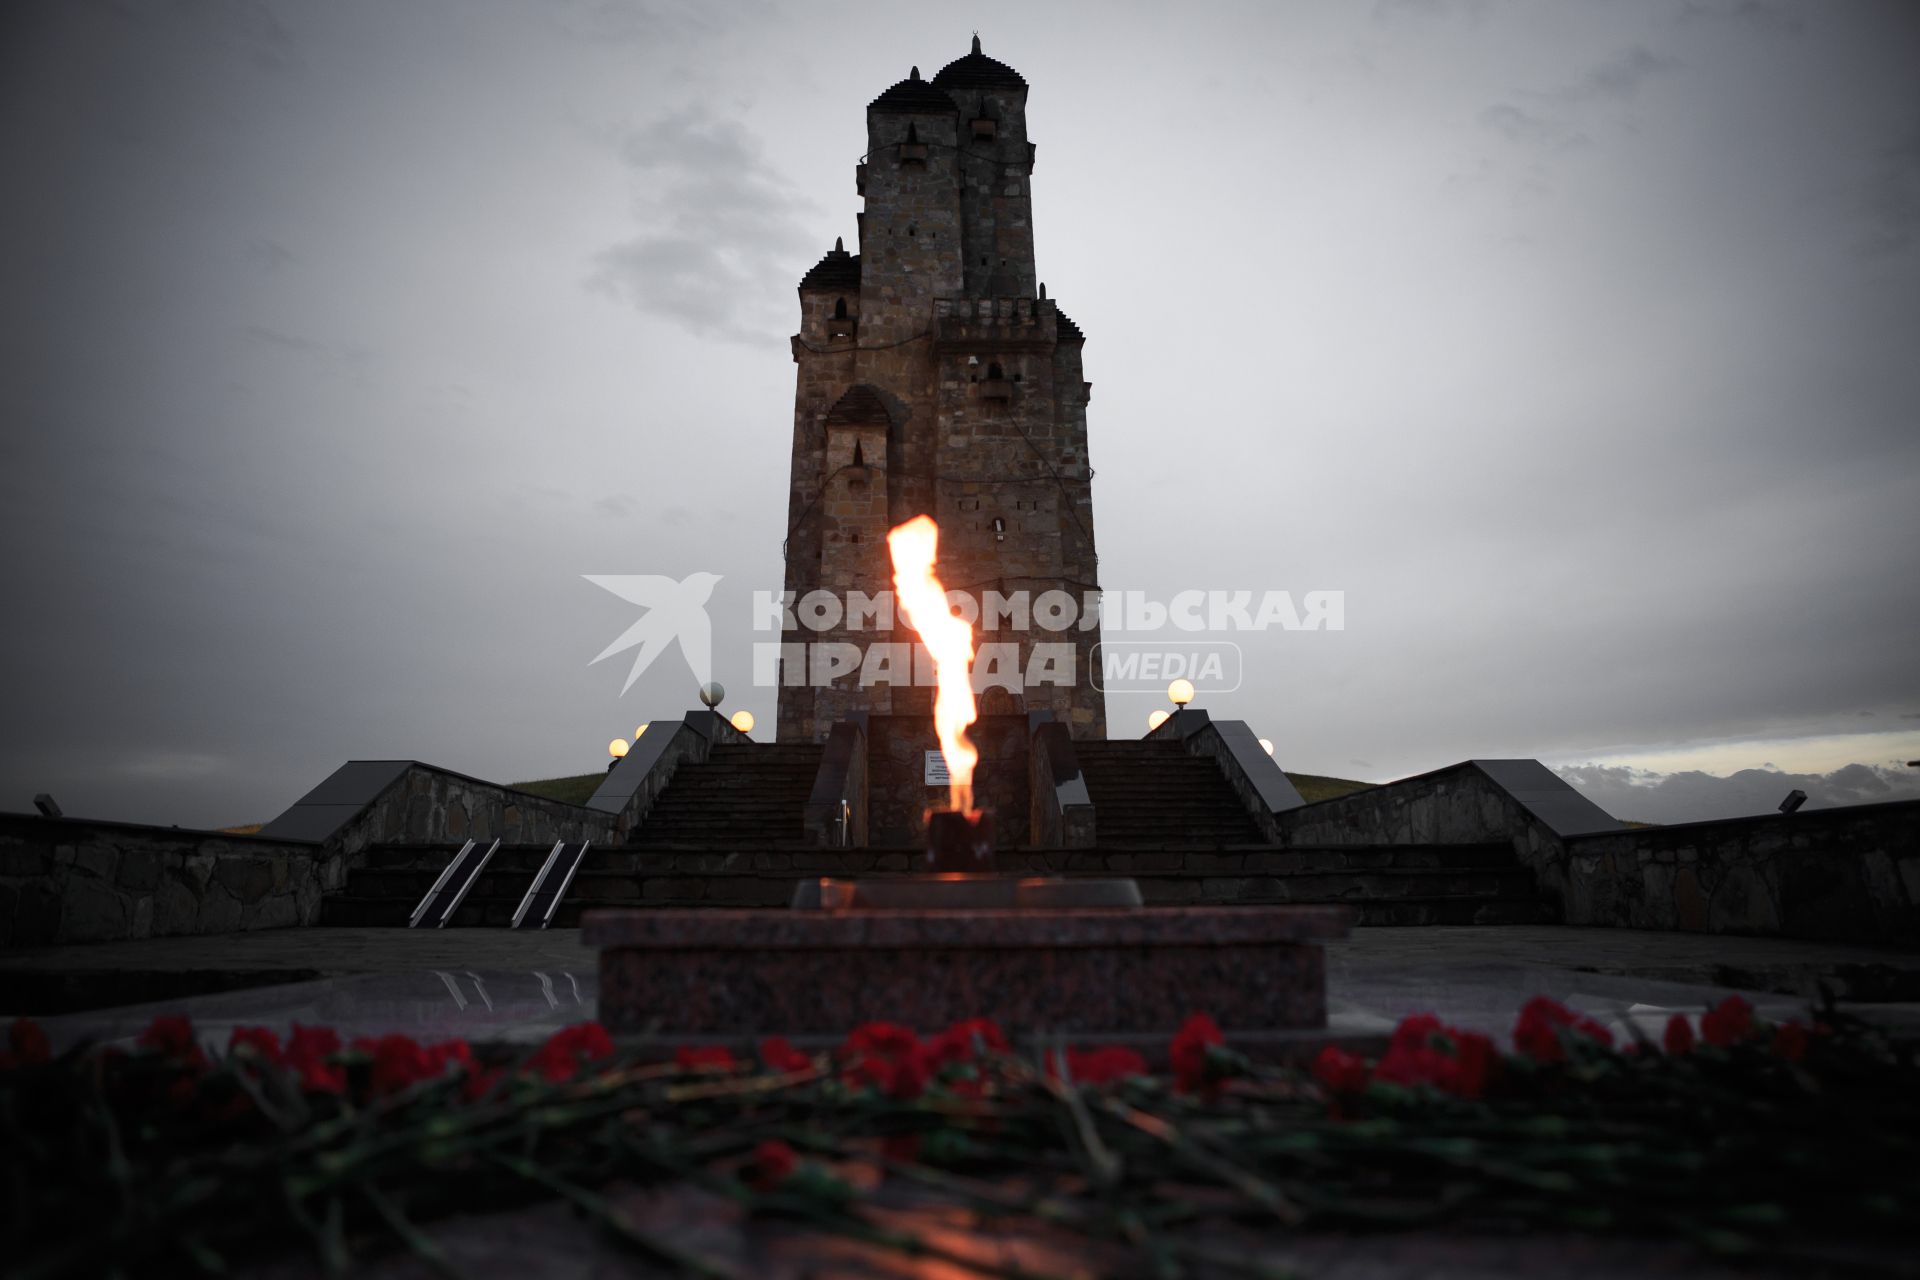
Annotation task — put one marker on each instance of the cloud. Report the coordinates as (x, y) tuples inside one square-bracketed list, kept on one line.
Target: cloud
[(353, 362), (723, 240), (269, 255), (1526, 129), (1389, 11), (248, 25), (1755, 15), (1692, 796), (1890, 203), (1619, 77), (649, 21)]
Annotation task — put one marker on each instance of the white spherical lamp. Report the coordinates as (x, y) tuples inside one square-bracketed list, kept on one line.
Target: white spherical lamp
[(1180, 692), (1155, 720), (1266, 745), (617, 748), (743, 721), (713, 694)]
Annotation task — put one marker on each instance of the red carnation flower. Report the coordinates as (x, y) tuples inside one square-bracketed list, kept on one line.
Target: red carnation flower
[(567, 1049), (708, 1057), (963, 1041), (480, 1083), (320, 1042), (780, 1055), (307, 1054), (773, 1163), (318, 1076), (1790, 1041), (398, 1062), (887, 1057), (1189, 1053), (259, 1041), (27, 1044), (1340, 1072), (1544, 1025), (589, 1040), (1728, 1023), (438, 1059), (1099, 1066), (172, 1037), (1679, 1036), (882, 1037), (1426, 1051)]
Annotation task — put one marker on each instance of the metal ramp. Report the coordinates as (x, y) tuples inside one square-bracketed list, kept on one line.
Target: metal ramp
[(452, 888), (550, 886)]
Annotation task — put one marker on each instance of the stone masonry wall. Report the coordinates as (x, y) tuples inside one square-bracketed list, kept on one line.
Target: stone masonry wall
[(68, 880), (432, 806), (1846, 874)]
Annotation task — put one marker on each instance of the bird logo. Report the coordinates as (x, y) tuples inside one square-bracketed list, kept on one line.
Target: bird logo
[(675, 611)]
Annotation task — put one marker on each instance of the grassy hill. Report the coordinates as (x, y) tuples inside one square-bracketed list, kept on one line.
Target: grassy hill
[(576, 790), (1314, 788)]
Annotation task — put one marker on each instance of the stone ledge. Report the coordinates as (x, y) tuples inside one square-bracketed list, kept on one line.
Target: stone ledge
[(667, 930)]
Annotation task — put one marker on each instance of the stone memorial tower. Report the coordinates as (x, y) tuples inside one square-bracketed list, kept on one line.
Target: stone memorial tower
[(936, 377)]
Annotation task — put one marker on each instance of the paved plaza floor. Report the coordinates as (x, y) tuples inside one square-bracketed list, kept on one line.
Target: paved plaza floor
[(506, 986)]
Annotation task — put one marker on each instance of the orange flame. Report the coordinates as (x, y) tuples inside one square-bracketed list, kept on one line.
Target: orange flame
[(923, 604)]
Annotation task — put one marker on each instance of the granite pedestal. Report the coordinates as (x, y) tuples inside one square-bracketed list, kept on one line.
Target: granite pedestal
[(806, 973)]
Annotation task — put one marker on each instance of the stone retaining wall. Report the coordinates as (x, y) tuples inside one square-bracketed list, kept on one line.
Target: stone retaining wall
[(1849, 874), (70, 880), (435, 806)]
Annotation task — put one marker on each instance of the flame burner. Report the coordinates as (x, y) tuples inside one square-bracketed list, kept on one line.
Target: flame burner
[(959, 841)]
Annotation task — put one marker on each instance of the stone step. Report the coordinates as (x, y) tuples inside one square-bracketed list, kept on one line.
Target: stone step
[(796, 853), (1453, 911), (772, 887), (770, 892)]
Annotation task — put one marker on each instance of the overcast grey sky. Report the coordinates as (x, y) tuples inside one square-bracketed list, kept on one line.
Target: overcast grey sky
[(1579, 344)]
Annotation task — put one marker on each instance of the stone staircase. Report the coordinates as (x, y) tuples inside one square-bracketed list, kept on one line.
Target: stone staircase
[(1151, 792), (728, 833), (742, 796)]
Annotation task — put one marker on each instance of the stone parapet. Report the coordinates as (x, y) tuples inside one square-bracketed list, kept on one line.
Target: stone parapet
[(994, 324), (1098, 971), (73, 880)]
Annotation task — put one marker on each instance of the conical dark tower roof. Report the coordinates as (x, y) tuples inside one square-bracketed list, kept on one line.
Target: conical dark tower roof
[(978, 71), (913, 95), (838, 270)]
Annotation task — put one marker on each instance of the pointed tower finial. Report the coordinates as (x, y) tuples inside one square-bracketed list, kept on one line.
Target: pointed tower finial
[(976, 42), (915, 75), (1043, 288), (839, 244)]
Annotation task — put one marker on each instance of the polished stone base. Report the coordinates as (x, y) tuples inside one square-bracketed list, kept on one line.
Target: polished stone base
[(1095, 971), (964, 893)]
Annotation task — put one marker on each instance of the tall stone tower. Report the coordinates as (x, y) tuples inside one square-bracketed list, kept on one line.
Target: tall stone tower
[(936, 377)]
